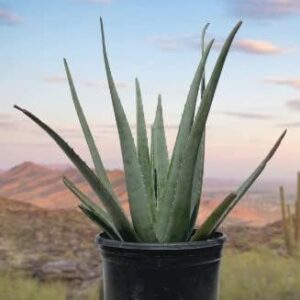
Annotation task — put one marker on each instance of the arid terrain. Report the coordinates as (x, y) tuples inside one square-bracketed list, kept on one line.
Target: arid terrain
[(42, 186), (43, 234), (58, 245)]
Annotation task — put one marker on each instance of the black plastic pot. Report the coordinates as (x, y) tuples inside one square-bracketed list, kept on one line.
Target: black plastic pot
[(177, 271)]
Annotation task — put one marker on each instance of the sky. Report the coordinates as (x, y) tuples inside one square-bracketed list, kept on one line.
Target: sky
[(159, 43)]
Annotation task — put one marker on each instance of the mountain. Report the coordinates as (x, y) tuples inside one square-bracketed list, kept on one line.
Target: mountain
[(42, 186)]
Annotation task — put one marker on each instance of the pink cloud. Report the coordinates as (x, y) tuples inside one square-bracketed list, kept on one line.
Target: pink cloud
[(257, 47), (255, 116), (292, 82), (264, 9), (250, 46), (9, 18), (294, 104)]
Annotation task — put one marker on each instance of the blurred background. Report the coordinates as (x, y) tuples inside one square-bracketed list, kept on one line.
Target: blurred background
[(46, 245)]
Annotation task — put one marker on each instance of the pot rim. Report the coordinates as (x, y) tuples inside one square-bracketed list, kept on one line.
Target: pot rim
[(218, 239)]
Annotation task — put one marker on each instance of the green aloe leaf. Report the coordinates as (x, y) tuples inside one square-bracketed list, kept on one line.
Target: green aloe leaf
[(152, 153), (199, 167), (219, 214), (179, 215), (182, 136), (210, 222), (160, 152), (100, 170), (118, 216), (197, 183), (142, 143), (98, 221), (140, 206), (153, 170), (100, 213), (203, 51)]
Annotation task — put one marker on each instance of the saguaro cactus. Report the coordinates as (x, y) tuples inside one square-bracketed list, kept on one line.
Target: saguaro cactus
[(297, 209), (290, 222)]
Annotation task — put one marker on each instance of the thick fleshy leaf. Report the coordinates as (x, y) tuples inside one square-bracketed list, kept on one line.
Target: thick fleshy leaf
[(179, 216), (142, 143), (203, 51), (182, 136), (153, 171), (219, 214), (197, 183), (100, 170), (199, 167), (98, 221), (140, 206), (98, 211), (160, 152), (118, 216)]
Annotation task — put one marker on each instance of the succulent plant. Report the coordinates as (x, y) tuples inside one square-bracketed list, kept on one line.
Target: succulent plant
[(291, 221), (164, 194)]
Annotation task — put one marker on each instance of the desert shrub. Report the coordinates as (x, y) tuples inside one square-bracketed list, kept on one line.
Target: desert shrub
[(18, 287), (259, 275), (254, 275)]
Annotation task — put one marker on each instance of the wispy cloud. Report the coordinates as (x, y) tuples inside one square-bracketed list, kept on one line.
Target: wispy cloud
[(258, 47), (166, 43), (248, 115), (264, 9), (10, 122), (294, 104), (55, 79), (98, 130), (94, 1), (8, 17), (5, 117), (250, 46), (291, 82), (6, 124), (290, 124), (133, 126), (103, 84)]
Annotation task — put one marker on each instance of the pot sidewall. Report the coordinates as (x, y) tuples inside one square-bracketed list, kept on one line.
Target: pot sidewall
[(185, 271)]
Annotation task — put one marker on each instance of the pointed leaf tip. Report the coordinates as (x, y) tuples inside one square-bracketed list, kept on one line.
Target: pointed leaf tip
[(140, 209), (225, 207), (205, 28), (239, 24), (102, 27), (19, 108)]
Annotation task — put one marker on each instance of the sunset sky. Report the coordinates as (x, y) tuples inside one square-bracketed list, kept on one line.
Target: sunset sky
[(158, 42)]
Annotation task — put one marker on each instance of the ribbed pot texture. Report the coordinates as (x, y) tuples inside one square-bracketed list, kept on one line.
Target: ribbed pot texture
[(177, 271)]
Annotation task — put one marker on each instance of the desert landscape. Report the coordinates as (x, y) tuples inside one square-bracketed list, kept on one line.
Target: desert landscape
[(113, 114), (45, 236)]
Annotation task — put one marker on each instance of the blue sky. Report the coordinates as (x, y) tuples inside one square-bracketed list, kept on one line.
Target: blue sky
[(158, 42)]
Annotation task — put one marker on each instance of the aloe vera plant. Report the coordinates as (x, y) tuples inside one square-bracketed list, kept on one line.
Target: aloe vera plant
[(163, 192)]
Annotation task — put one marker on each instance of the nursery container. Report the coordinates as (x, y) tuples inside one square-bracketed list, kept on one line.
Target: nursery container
[(147, 271)]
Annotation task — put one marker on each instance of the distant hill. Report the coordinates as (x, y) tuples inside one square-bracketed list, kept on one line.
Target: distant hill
[(42, 186)]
